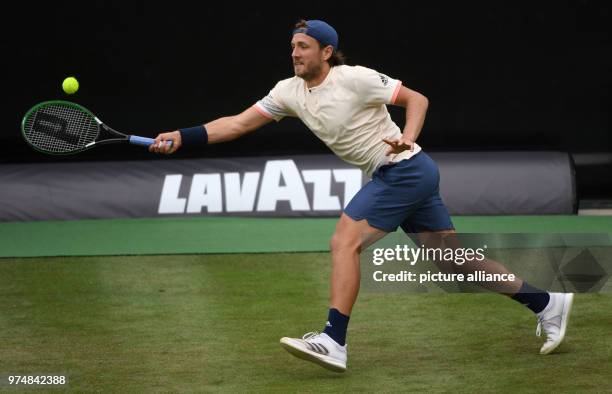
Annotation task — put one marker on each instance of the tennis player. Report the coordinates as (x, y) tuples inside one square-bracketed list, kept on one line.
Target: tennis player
[(345, 106)]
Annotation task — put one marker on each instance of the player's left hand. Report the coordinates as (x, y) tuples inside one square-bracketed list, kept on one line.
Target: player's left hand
[(398, 145)]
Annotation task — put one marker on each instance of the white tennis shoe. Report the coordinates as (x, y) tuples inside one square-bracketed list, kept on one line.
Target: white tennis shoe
[(319, 349), (553, 320)]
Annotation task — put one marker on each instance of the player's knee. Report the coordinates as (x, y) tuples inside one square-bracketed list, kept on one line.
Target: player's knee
[(343, 242)]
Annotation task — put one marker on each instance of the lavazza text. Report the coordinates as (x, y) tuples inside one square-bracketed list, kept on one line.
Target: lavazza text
[(256, 191)]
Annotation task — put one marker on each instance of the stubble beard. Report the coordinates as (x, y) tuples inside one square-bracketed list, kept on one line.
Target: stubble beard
[(310, 73)]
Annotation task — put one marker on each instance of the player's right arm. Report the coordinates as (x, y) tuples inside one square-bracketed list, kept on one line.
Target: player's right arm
[(271, 107), (220, 130), (231, 127)]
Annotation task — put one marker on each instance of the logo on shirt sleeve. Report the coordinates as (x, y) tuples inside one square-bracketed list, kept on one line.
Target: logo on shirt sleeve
[(384, 79)]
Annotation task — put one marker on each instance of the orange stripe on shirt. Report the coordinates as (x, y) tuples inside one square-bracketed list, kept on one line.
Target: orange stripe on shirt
[(396, 92), (262, 112)]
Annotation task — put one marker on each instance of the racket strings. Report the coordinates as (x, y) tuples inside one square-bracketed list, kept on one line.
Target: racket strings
[(60, 128)]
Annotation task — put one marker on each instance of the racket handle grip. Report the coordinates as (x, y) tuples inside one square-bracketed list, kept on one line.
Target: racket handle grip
[(144, 141)]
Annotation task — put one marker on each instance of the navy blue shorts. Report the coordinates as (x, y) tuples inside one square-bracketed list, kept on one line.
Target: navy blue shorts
[(403, 194)]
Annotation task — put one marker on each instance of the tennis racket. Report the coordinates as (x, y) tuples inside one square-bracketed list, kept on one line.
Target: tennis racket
[(61, 128)]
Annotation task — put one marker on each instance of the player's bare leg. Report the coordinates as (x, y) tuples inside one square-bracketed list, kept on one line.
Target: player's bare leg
[(448, 239), (349, 239), (552, 309), (328, 348)]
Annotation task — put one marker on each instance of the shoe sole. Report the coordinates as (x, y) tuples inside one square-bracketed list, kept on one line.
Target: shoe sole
[(305, 354), (567, 309)]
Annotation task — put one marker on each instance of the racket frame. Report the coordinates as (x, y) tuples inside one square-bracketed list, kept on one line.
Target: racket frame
[(102, 127)]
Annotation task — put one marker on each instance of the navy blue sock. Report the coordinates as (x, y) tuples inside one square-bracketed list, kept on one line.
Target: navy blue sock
[(336, 326), (532, 297)]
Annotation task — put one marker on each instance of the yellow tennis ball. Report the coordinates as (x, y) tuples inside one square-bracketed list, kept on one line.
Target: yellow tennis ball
[(70, 85)]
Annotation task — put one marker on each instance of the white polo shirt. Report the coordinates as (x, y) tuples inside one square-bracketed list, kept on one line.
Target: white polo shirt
[(347, 112)]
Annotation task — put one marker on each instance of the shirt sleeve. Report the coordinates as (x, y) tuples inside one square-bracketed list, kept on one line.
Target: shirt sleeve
[(272, 107), (375, 88)]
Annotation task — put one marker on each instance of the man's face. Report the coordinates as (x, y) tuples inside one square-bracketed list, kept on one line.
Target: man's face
[(308, 57)]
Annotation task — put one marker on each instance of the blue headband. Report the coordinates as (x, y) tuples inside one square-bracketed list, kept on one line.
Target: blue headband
[(321, 32)]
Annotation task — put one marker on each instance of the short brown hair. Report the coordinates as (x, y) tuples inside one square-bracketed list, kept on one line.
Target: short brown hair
[(337, 58)]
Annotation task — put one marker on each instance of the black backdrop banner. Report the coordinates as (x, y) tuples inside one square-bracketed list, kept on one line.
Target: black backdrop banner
[(308, 185), (498, 75)]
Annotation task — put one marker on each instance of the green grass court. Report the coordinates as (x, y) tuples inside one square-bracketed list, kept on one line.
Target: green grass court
[(132, 307)]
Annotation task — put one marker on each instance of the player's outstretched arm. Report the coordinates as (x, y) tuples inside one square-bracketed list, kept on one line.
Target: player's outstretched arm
[(220, 130)]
